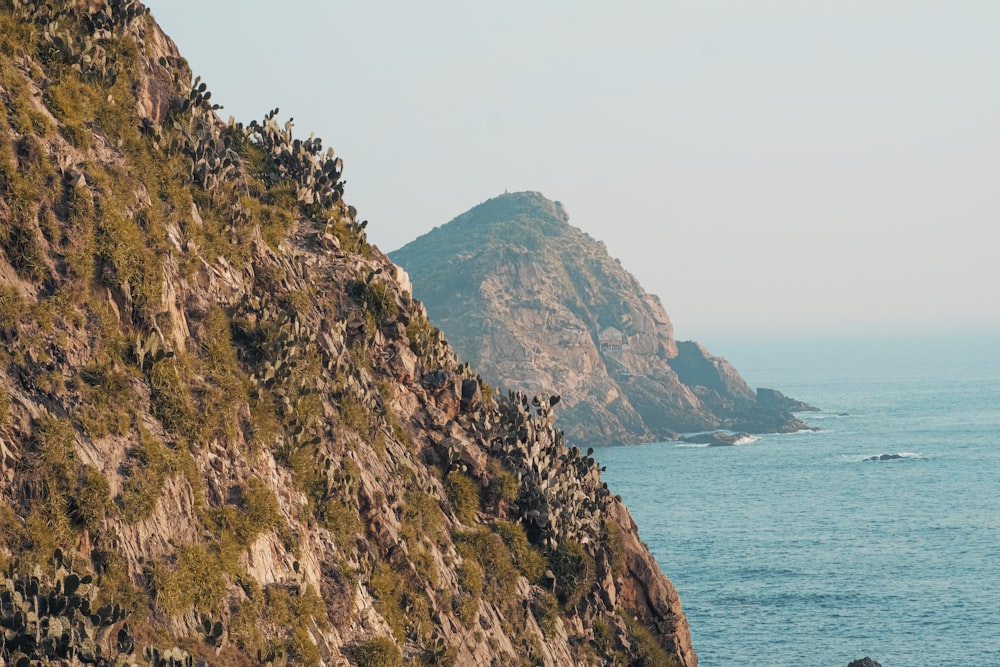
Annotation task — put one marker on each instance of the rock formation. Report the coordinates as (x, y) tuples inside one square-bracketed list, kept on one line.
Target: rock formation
[(539, 305), (864, 662), (228, 435)]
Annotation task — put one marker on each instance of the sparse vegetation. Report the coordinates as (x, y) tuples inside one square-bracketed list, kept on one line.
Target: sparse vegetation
[(574, 572), (463, 493), (377, 652)]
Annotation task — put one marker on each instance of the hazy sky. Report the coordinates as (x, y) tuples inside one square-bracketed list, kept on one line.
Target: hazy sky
[(766, 167)]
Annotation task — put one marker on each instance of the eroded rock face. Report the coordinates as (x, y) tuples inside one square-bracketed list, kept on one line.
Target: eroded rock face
[(226, 426), (539, 305)]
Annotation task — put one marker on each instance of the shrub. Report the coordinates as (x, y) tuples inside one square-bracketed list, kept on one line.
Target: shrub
[(503, 486), (4, 406), (421, 517), (377, 652), (528, 560), (614, 546), (12, 307), (92, 498), (387, 586), (489, 551), (574, 571), (648, 651), (545, 608), (375, 299), (106, 405), (170, 400), (463, 493), (341, 519), (195, 580)]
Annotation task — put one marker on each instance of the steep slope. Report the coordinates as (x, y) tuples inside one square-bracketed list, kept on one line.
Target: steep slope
[(539, 305), (228, 433)]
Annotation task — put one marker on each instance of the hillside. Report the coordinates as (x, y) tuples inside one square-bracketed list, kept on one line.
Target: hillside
[(228, 434), (538, 305)]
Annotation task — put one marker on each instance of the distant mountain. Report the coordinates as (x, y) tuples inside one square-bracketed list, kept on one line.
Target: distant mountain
[(537, 305)]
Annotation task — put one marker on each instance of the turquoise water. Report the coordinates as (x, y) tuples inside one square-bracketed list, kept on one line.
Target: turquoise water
[(793, 550)]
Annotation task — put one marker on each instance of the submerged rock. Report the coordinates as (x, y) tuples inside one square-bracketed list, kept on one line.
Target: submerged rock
[(885, 457)]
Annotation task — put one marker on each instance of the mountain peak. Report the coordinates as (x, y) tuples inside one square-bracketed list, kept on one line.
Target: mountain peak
[(539, 305)]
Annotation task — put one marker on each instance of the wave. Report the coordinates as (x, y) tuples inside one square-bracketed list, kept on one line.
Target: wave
[(747, 440)]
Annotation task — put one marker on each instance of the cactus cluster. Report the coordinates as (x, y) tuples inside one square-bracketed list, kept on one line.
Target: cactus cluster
[(79, 33), (212, 159), (561, 489), (274, 343), (315, 173), (46, 623)]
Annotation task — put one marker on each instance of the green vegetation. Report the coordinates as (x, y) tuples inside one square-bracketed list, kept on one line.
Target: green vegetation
[(613, 544), (574, 572), (195, 580), (401, 603), (528, 560), (421, 517), (545, 608), (375, 299), (377, 652), (649, 652), (491, 553), (106, 405), (463, 493)]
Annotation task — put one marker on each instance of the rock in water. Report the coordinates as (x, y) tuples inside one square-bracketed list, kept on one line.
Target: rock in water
[(864, 662)]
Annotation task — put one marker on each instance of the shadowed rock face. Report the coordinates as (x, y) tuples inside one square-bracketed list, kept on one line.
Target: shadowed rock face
[(539, 305)]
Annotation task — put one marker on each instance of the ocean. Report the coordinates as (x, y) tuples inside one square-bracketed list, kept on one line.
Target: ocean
[(794, 550)]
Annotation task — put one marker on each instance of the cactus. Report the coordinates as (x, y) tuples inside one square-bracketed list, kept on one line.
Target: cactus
[(560, 488)]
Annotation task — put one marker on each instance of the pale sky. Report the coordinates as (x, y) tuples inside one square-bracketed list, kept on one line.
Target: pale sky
[(766, 167)]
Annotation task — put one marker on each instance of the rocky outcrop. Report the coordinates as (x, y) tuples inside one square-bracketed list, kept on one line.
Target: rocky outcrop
[(539, 305), (885, 457), (775, 400), (864, 662), (228, 434)]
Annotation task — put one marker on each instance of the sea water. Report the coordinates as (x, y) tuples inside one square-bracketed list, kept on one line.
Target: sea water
[(795, 550)]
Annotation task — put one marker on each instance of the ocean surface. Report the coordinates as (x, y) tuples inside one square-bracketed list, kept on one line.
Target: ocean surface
[(793, 550)]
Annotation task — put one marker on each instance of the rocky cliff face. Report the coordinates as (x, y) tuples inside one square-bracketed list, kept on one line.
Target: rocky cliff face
[(228, 434), (540, 306)]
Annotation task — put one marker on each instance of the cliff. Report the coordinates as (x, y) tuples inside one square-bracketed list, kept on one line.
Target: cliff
[(539, 305), (228, 434)]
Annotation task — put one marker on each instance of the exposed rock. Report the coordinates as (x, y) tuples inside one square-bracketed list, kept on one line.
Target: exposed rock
[(885, 457), (775, 400), (540, 306)]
